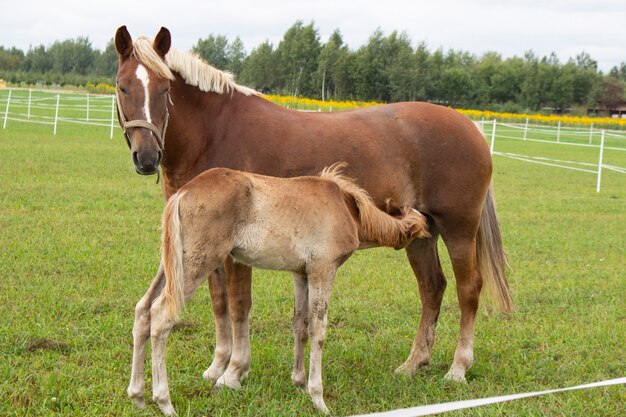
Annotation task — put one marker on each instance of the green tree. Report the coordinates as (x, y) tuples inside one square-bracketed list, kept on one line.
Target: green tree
[(235, 56), (213, 50), (11, 59), (106, 62), (72, 56), (400, 68), (333, 68), (298, 54), (260, 68)]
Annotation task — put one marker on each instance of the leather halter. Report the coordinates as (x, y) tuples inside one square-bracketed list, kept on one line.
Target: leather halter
[(126, 124)]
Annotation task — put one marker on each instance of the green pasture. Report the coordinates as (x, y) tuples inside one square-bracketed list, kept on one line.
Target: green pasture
[(79, 244)]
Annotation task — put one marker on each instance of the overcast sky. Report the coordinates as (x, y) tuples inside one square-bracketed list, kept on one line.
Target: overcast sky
[(510, 27)]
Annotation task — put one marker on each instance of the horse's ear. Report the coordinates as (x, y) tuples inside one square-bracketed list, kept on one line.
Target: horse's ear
[(123, 42), (162, 42)]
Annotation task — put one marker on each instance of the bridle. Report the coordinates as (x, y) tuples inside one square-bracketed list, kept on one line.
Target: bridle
[(127, 124)]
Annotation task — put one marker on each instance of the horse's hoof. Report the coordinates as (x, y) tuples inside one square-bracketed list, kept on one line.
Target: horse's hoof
[(409, 368)]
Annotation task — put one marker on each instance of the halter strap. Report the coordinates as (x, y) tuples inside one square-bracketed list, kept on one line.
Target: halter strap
[(126, 124)]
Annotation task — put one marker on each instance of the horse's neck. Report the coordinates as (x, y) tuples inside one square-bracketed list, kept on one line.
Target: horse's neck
[(197, 120)]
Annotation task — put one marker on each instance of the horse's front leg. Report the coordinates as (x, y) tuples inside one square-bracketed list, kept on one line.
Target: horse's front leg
[(141, 333), (239, 303), (223, 334), (300, 328)]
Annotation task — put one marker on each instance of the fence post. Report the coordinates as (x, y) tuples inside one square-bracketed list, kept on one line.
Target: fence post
[(112, 114), (590, 133), (493, 136), (526, 129), (600, 162), (6, 112), (87, 106), (56, 115), (30, 93), (558, 132)]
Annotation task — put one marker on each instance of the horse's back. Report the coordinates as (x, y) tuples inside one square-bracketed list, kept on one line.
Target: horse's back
[(418, 154)]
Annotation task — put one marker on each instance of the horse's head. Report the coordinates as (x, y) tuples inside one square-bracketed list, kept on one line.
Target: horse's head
[(143, 83)]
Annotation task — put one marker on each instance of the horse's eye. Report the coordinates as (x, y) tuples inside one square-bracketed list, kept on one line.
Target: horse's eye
[(166, 91), (123, 90)]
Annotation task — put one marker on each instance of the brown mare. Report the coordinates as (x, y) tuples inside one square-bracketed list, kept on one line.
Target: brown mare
[(306, 225), (418, 155)]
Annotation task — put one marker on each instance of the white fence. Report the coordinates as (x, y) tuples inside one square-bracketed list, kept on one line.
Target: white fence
[(85, 109), (555, 136)]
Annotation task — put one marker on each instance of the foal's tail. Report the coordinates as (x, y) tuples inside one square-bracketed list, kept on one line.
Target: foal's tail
[(172, 255), (491, 257), (376, 225)]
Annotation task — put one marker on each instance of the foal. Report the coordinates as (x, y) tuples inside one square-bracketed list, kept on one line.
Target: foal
[(306, 225)]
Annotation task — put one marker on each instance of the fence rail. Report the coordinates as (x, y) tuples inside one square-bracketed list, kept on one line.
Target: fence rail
[(52, 108), (493, 132)]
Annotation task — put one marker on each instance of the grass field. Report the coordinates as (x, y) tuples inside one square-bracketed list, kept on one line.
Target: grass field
[(79, 244)]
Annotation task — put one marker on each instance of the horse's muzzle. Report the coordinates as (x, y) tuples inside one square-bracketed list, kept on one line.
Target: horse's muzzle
[(147, 163)]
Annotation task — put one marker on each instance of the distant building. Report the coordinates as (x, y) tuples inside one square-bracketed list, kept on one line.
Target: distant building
[(618, 112)]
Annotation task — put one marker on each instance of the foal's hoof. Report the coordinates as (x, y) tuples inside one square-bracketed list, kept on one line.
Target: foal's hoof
[(410, 368), (456, 375), (226, 381), (318, 403), (213, 373), (137, 397), (139, 402)]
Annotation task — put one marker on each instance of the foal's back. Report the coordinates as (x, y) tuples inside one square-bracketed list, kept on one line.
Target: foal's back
[(267, 222)]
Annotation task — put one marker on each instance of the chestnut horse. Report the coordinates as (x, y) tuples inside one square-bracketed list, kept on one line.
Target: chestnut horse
[(181, 113), (306, 225)]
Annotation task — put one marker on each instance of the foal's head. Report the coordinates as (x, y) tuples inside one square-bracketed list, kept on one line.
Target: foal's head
[(143, 83)]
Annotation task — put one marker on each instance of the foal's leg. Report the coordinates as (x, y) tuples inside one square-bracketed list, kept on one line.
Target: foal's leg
[(320, 285), (141, 333), (223, 335), (424, 259), (463, 256), (239, 302), (160, 329), (300, 328)]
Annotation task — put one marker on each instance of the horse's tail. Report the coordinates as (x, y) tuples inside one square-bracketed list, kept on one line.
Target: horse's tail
[(376, 225), (172, 253), (491, 257)]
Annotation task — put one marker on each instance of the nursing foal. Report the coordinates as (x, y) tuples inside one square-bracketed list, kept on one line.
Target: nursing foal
[(306, 225)]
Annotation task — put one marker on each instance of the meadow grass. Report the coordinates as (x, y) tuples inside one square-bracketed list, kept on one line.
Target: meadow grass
[(79, 239)]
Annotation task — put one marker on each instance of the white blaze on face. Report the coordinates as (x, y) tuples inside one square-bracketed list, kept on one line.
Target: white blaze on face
[(142, 75)]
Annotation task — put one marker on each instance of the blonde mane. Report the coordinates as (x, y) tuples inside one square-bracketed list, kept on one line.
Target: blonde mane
[(191, 68)]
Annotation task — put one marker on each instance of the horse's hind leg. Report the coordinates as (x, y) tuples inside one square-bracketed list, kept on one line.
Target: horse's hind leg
[(223, 335), (239, 302), (141, 333), (424, 260), (463, 256), (320, 284), (300, 328)]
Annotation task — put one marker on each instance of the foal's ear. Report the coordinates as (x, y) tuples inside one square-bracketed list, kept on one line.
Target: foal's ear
[(162, 42), (123, 42)]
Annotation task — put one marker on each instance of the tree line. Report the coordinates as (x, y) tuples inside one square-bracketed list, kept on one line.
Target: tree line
[(387, 68)]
